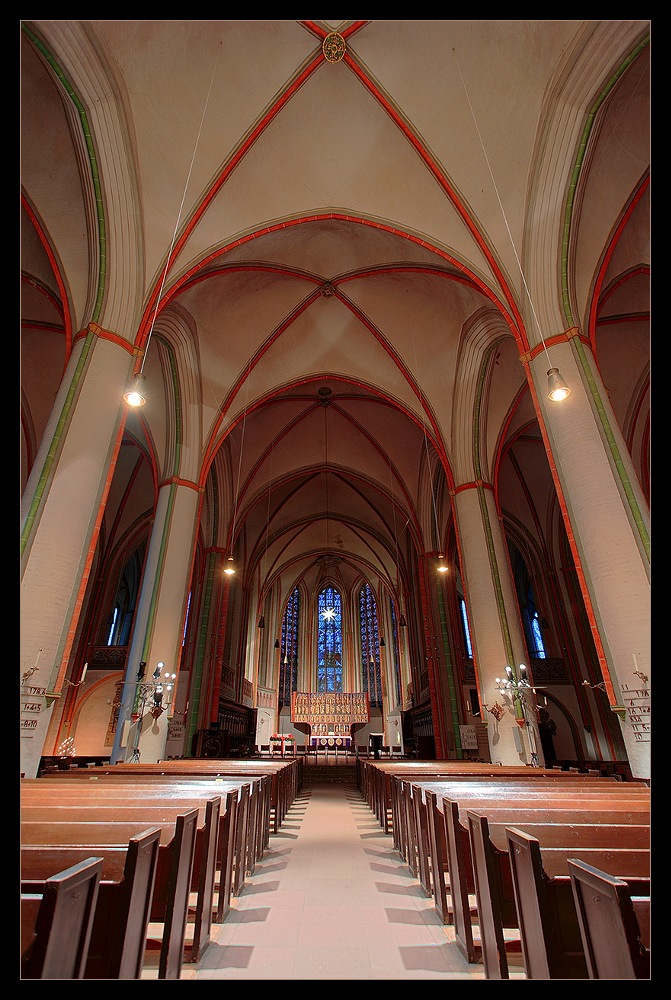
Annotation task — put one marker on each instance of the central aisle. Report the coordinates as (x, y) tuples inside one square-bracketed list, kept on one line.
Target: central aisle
[(332, 899)]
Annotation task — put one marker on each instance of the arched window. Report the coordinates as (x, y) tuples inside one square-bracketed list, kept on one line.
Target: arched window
[(289, 649), (465, 629), (186, 619), (370, 647), (115, 617), (329, 643), (538, 647), (531, 618)]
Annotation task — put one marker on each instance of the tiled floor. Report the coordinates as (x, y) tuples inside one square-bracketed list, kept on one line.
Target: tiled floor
[(332, 899)]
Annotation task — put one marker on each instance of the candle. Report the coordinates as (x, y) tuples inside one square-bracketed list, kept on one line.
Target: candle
[(635, 661)]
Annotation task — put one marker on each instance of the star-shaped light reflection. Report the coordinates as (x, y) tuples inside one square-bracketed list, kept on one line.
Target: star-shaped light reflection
[(328, 614)]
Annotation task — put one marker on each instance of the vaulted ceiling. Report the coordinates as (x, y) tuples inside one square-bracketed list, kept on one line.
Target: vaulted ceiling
[(329, 260)]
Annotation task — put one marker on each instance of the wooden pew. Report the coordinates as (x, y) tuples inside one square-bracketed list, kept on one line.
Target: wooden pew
[(614, 808), (428, 850), (63, 763), (422, 844), (614, 923), (456, 843), (285, 776), (243, 821), (252, 794), (215, 829), (450, 840), (400, 787), (375, 778), (282, 776), (464, 901), (57, 921), (203, 870), (172, 882), (419, 803), (534, 812), (121, 918), (549, 934)]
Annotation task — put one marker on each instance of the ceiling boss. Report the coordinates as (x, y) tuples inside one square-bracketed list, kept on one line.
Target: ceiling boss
[(333, 47)]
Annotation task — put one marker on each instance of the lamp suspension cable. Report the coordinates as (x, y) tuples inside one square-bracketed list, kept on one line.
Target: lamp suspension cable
[(441, 566), (557, 387), (325, 392), (229, 569), (262, 580), (401, 621), (134, 395)]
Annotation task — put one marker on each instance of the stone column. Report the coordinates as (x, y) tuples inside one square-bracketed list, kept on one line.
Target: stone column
[(496, 630), (608, 525), (60, 514), (159, 624)]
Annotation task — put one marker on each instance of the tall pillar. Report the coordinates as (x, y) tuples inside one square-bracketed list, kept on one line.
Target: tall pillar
[(496, 630), (159, 624), (608, 526), (61, 513)]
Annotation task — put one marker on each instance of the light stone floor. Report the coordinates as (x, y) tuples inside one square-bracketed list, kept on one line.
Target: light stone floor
[(332, 899)]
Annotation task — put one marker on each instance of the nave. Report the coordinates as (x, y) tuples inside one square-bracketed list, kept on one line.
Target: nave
[(332, 899)]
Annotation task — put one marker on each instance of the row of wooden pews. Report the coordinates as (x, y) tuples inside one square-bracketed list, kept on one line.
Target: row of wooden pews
[(503, 852), (176, 841)]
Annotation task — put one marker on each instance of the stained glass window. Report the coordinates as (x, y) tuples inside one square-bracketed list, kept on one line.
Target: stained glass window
[(370, 646), (329, 643), (539, 645), (289, 649), (467, 631), (115, 615)]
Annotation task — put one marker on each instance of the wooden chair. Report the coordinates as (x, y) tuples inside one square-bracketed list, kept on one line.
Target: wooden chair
[(56, 923), (612, 937)]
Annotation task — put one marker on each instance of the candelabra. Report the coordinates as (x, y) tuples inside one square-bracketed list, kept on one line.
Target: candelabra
[(151, 698), (515, 688), (601, 686)]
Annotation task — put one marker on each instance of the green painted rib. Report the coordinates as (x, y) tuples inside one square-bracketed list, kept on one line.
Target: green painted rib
[(618, 464), (93, 164)]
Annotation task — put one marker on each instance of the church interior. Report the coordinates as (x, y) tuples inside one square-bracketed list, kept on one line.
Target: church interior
[(335, 394)]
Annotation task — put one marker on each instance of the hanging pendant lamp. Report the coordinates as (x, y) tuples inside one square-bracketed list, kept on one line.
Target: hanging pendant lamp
[(557, 387), (134, 394)]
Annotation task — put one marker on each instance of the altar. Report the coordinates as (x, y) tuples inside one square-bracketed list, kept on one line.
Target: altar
[(331, 742)]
